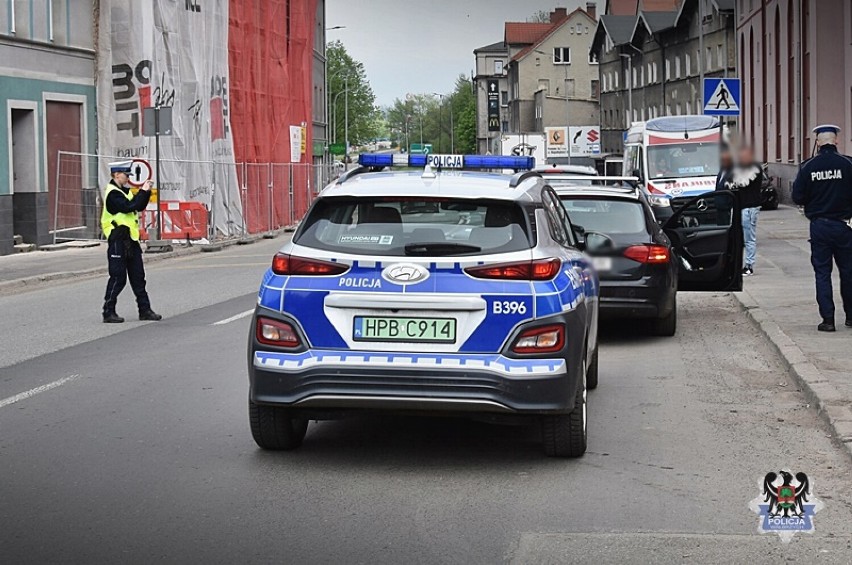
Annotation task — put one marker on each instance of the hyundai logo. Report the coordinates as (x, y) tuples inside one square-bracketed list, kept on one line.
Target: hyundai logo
[(405, 273), (701, 205)]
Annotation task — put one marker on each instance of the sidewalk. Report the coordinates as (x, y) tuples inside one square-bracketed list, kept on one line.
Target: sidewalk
[(780, 299)]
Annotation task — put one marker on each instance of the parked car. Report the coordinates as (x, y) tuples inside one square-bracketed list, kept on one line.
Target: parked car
[(642, 265)]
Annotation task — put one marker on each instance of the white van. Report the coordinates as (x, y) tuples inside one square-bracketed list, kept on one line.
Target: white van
[(675, 157)]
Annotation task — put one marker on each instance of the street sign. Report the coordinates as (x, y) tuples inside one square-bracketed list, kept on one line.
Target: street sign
[(584, 141), (493, 97), (722, 96), (140, 172), (421, 148), (337, 149), (557, 144), (150, 121)]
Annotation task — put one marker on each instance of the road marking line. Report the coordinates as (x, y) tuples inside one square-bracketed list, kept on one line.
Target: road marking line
[(239, 316), (35, 391)]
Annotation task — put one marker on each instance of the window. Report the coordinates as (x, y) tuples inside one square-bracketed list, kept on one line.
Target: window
[(677, 67), (709, 59), (498, 67), (687, 63), (596, 89), (721, 60), (593, 58), (505, 126), (688, 107), (677, 109), (654, 68), (641, 76), (561, 55), (504, 97), (616, 79), (668, 69), (634, 76)]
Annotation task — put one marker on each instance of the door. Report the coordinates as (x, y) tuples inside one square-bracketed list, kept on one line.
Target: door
[(706, 235), (64, 133)]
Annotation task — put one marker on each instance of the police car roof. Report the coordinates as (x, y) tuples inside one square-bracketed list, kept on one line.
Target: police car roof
[(625, 192), (456, 184)]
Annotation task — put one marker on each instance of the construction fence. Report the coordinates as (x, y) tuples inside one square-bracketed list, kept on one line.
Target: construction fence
[(219, 200)]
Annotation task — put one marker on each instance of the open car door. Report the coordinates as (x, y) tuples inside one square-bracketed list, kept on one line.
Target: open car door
[(707, 237)]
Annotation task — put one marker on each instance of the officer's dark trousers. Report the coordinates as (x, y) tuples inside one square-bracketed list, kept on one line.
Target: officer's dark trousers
[(832, 239), (125, 260)]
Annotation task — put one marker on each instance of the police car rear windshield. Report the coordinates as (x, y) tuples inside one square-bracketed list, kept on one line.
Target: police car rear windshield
[(403, 226)]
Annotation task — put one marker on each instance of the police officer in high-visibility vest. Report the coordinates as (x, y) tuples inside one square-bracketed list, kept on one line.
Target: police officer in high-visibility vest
[(824, 187), (120, 224)]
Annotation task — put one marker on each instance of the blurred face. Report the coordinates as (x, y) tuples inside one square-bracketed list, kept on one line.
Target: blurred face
[(746, 156), (725, 159), (120, 178)]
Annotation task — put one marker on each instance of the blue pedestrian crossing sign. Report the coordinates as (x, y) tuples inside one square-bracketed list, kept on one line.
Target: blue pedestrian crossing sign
[(722, 96)]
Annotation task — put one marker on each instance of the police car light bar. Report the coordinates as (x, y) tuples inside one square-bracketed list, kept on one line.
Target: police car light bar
[(447, 161)]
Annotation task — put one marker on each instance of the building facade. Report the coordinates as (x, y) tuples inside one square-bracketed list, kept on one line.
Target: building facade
[(652, 62), (491, 63), (552, 77), (796, 64), (47, 105)]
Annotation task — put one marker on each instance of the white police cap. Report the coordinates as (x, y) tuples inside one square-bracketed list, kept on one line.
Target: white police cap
[(827, 128), (120, 166)]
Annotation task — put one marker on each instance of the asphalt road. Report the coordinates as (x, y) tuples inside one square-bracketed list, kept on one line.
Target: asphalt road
[(143, 453)]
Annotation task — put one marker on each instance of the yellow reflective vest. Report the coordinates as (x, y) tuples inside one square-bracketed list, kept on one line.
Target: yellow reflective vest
[(111, 221)]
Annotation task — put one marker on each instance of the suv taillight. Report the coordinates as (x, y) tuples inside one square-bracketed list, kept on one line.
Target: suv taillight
[(538, 270), (651, 254), (544, 339), (273, 332), (283, 264)]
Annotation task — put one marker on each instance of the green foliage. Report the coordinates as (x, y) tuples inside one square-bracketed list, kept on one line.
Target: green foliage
[(364, 116), (423, 118)]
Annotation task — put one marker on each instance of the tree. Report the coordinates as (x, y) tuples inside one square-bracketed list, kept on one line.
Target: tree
[(463, 107), (541, 17), (363, 114)]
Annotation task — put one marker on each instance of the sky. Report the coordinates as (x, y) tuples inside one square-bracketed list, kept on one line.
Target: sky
[(410, 46)]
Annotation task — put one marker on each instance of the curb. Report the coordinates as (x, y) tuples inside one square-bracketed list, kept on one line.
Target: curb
[(37, 281), (818, 390)]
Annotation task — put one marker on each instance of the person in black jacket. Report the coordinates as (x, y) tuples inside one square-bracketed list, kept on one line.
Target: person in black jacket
[(824, 187), (745, 180), (120, 224)]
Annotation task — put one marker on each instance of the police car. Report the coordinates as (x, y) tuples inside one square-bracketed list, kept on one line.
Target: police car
[(430, 290)]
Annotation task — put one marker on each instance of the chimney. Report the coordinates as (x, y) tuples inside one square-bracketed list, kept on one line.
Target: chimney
[(592, 10), (558, 14)]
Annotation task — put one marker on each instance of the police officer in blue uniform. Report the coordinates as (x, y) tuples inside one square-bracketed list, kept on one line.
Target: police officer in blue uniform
[(824, 187), (120, 224)]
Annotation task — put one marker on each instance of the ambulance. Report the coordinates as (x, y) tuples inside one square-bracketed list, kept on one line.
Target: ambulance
[(676, 159)]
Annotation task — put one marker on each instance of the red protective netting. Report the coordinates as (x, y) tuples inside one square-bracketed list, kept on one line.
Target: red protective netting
[(270, 56)]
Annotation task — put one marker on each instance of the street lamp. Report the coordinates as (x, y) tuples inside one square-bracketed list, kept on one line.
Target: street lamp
[(567, 103), (441, 122)]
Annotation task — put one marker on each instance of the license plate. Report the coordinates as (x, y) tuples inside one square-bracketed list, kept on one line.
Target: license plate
[(415, 330), (602, 263)]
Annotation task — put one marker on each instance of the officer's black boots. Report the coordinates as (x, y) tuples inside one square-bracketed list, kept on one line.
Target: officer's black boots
[(827, 325), (149, 316), (849, 322), (112, 318)]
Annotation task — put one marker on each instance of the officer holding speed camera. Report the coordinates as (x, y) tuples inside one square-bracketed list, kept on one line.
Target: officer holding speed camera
[(120, 224)]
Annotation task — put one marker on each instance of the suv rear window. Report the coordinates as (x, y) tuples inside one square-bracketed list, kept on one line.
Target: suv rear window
[(401, 226)]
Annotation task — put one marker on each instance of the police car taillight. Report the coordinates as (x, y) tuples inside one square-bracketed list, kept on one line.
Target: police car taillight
[(538, 270), (545, 339), (283, 264), (273, 332)]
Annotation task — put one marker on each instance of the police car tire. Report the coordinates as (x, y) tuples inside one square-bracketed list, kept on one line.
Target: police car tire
[(667, 326), (275, 429), (592, 371), (565, 435)]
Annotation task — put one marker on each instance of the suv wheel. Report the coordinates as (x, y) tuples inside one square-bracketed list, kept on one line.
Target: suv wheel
[(565, 434), (592, 371), (274, 428)]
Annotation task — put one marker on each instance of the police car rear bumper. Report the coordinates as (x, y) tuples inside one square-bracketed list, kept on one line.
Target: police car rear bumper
[(331, 380)]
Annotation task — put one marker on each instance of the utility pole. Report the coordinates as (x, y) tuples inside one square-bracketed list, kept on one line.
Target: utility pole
[(701, 46), (346, 126), (440, 122), (567, 115)]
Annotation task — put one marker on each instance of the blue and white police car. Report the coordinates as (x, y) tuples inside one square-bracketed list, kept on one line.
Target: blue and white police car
[(432, 290)]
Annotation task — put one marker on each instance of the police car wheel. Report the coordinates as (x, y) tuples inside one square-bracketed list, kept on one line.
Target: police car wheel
[(667, 326), (565, 435), (274, 428), (592, 371)]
